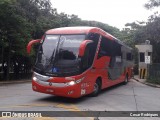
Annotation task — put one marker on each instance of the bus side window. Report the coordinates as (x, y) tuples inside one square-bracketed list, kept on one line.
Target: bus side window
[(116, 57), (129, 56), (105, 47)]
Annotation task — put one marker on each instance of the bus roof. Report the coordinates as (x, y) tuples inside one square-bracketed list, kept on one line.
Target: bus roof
[(79, 30), (84, 30)]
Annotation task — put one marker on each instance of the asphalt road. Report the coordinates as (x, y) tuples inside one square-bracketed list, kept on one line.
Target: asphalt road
[(131, 97)]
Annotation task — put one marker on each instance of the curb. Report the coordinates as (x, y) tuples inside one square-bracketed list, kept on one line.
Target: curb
[(14, 82), (146, 83)]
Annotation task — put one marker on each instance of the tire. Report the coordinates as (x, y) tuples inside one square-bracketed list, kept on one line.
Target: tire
[(126, 80), (97, 88)]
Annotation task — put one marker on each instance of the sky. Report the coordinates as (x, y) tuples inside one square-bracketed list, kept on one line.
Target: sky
[(112, 12)]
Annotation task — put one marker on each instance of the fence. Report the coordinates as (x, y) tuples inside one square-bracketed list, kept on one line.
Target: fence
[(154, 73)]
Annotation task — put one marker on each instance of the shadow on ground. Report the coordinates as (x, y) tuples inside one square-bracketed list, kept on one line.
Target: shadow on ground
[(58, 99)]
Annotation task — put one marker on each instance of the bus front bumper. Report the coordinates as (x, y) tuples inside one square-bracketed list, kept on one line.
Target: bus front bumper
[(58, 89)]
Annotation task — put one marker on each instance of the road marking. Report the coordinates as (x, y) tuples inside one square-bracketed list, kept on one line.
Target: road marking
[(15, 106), (43, 105), (5, 96), (68, 107), (73, 107)]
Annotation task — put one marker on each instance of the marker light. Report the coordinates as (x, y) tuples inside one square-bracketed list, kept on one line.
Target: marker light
[(79, 80)]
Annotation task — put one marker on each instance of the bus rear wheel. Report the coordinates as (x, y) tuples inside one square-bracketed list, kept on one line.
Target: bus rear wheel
[(126, 80), (97, 88)]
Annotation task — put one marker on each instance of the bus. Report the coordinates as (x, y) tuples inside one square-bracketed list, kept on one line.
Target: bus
[(77, 61)]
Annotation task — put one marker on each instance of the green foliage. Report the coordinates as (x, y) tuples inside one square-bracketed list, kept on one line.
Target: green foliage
[(154, 73), (141, 31), (23, 20), (18, 24), (153, 80), (152, 3)]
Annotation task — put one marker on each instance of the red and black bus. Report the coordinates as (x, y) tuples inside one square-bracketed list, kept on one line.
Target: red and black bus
[(76, 61)]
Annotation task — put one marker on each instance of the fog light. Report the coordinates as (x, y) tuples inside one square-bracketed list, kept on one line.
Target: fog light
[(34, 87), (70, 92)]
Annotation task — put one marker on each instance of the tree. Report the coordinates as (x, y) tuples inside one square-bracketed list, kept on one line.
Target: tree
[(23, 20), (152, 4), (141, 31), (11, 33), (18, 25), (153, 29)]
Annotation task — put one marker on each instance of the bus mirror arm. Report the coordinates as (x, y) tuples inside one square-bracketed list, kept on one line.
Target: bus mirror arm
[(29, 46), (83, 46)]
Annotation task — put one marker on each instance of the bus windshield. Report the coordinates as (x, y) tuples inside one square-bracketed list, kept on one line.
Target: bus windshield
[(58, 55)]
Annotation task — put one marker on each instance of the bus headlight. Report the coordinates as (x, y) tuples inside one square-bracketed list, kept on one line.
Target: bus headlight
[(34, 78), (70, 83), (74, 82)]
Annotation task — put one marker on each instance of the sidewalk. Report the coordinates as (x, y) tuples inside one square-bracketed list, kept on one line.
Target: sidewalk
[(136, 77), (15, 81)]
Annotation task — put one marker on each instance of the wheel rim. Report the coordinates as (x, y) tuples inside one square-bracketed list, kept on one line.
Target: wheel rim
[(96, 87), (126, 80)]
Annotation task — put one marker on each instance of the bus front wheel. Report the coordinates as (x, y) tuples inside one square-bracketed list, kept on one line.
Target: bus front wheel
[(97, 88)]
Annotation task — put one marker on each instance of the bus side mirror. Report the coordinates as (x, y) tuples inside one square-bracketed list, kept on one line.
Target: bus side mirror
[(29, 46), (83, 46)]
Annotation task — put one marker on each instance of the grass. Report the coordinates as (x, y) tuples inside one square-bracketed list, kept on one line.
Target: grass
[(154, 80)]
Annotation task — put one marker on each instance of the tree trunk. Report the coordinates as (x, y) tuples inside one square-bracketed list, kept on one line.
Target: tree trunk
[(2, 61), (8, 61)]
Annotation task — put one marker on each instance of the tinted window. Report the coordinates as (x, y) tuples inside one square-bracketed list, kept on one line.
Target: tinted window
[(116, 54), (49, 45), (149, 53), (105, 47), (116, 49), (129, 56), (58, 55), (141, 54), (69, 46)]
